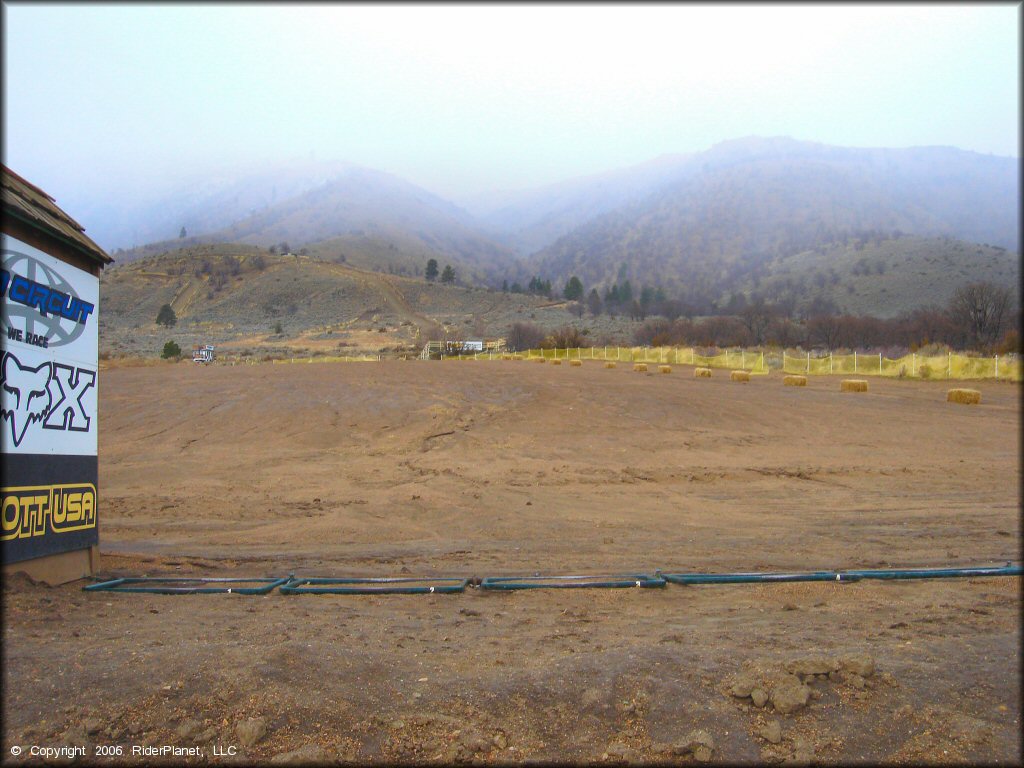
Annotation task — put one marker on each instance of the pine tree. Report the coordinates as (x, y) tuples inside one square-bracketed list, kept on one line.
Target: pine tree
[(166, 316), (573, 290), (431, 273), (448, 276)]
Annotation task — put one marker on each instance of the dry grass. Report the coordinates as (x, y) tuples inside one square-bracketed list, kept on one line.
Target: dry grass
[(576, 363), (794, 381), (641, 367), (853, 385), (702, 373), (664, 369), (965, 396), (739, 376), (609, 364)]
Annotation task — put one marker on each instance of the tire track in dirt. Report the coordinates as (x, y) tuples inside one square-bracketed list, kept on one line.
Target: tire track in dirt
[(392, 295)]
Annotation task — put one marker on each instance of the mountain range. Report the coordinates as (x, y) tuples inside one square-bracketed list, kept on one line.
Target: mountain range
[(704, 224)]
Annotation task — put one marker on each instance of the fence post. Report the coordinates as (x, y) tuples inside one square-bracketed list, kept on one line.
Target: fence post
[(808, 361), (879, 363), (913, 364), (949, 364), (855, 361), (830, 362), (997, 366), (743, 358)]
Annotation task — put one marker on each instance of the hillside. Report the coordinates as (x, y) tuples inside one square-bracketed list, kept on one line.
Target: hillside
[(126, 218), (529, 220), (744, 203), (885, 277), (244, 300), (367, 203)]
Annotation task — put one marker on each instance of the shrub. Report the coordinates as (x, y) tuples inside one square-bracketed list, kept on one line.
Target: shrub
[(563, 338), (523, 336), (924, 371), (166, 316), (171, 350)]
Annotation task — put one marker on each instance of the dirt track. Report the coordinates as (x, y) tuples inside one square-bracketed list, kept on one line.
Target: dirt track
[(492, 468)]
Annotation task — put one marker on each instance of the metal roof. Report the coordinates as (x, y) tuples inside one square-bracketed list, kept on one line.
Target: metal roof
[(26, 201)]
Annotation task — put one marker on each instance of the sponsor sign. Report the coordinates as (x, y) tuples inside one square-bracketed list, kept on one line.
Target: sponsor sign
[(48, 426)]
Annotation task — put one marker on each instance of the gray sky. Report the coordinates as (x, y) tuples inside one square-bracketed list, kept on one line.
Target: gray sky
[(466, 99)]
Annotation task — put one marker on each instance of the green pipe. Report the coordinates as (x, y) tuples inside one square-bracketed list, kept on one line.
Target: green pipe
[(847, 575), (933, 573), (379, 586), (186, 586), (570, 582), (745, 578)]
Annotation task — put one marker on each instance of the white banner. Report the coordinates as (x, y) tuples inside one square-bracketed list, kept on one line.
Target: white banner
[(50, 330)]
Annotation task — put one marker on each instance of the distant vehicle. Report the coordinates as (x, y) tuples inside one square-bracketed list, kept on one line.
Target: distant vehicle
[(203, 354)]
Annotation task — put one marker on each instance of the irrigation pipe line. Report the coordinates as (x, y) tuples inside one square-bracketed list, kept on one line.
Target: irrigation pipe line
[(171, 585), (570, 582), (291, 585)]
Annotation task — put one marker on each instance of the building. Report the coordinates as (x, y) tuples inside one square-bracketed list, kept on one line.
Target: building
[(50, 317)]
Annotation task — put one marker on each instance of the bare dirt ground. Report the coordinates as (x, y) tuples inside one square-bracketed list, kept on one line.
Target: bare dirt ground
[(514, 468)]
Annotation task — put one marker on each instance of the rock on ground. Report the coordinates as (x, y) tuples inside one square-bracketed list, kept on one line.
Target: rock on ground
[(250, 731)]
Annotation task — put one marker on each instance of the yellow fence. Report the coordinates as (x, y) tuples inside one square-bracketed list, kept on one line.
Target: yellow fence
[(329, 359), (736, 359), (759, 361), (948, 366)]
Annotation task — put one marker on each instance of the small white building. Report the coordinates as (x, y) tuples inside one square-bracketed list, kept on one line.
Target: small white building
[(203, 354)]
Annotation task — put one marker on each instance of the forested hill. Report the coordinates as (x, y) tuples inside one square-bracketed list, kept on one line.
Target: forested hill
[(747, 202)]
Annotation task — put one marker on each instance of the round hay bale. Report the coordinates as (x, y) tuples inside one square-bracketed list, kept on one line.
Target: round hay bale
[(556, 361), (965, 396), (539, 359), (853, 385), (702, 373), (575, 363), (609, 364), (641, 367), (664, 369), (739, 376), (794, 381)]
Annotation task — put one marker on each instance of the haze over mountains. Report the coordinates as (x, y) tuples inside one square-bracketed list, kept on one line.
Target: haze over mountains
[(706, 223)]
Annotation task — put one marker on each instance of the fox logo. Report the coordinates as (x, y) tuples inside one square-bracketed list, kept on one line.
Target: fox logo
[(26, 395)]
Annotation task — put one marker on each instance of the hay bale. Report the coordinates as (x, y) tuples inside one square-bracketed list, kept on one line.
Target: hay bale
[(664, 369), (609, 364), (556, 361), (641, 367), (575, 363), (539, 359), (794, 381), (853, 385), (739, 376), (702, 373), (965, 396)]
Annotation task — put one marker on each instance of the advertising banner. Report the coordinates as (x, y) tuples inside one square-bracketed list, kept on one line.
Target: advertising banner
[(48, 403)]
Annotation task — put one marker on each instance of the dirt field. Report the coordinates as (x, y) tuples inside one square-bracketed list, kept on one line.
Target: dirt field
[(514, 468)]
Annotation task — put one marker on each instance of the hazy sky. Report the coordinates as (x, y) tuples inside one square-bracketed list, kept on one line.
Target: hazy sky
[(464, 99)]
